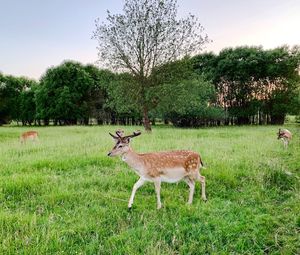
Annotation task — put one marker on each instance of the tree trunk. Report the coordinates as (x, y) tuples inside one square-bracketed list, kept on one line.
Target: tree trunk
[(146, 120)]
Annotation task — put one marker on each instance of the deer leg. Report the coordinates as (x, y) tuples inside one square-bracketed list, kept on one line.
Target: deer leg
[(157, 190), (202, 181), (285, 143), (137, 185), (191, 184)]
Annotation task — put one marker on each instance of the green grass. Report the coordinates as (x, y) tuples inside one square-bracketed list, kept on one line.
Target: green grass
[(63, 195)]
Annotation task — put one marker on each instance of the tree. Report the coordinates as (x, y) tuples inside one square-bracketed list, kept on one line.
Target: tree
[(63, 94), (283, 83), (27, 103), (11, 89), (98, 93), (146, 36), (119, 104), (192, 105)]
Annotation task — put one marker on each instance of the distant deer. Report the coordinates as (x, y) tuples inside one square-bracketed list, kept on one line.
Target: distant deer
[(29, 135), (158, 167), (285, 135)]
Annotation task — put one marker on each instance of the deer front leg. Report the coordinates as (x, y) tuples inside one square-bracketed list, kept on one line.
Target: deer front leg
[(137, 185), (157, 183)]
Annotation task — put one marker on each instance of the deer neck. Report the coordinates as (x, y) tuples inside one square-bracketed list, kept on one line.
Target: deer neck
[(133, 160)]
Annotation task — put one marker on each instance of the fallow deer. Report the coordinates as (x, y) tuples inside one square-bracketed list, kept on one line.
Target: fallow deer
[(158, 167), (285, 135), (29, 135)]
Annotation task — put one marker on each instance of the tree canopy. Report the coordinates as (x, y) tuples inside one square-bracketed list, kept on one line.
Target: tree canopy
[(251, 81), (244, 85)]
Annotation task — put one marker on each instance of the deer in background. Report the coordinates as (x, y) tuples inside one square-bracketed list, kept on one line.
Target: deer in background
[(29, 135), (158, 167), (285, 135)]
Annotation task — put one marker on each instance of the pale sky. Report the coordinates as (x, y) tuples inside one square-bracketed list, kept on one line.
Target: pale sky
[(37, 34)]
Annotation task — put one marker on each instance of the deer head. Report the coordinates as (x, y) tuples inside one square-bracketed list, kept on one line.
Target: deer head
[(122, 142)]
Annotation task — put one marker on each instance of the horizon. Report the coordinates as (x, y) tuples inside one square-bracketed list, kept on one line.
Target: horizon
[(41, 35)]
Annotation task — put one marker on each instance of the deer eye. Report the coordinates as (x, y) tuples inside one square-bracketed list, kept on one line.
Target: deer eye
[(120, 146)]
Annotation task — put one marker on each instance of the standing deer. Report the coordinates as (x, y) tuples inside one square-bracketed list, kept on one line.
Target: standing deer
[(285, 136), (29, 135), (158, 167)]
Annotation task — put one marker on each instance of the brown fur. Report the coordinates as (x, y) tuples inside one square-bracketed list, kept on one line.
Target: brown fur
[(28, 135)]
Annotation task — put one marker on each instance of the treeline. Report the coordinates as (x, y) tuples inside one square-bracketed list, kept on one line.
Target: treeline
[(245, 85), (254, 86)]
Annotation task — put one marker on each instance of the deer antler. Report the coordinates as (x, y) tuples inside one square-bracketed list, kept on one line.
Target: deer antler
[(135, 133), (113, 136), (120, 135)]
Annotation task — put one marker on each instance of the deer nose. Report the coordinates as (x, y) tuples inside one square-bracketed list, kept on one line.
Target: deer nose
[(109, 154)]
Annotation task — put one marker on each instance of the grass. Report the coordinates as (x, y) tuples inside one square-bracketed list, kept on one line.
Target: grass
[(63, 195)]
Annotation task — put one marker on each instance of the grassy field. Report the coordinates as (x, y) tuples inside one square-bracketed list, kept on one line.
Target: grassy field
[(63, 195)]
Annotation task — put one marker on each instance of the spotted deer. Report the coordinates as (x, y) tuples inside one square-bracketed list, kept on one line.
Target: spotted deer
[(29, 135), (158, 167), (285, 135)]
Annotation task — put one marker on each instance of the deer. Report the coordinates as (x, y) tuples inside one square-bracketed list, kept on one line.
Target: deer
[(285, 135), (158, 167), (29, 135)]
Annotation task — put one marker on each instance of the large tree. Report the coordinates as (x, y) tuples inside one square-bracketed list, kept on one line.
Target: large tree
[(63, 94), (11, 97), (148, 34)]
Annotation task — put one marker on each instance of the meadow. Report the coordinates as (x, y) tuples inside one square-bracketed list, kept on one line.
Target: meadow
[(63, 195)]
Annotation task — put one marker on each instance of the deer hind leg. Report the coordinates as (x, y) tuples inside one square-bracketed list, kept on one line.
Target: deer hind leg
[(191, 184), (137, 185), (157, 184), (201, 178)]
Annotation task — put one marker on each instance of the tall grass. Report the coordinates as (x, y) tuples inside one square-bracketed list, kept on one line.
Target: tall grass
[(63, 195)]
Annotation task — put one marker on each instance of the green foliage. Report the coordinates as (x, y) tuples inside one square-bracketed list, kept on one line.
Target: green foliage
[(12, 98), (250, 79), (71, 92), (64, 195), (63, 89), (27, 111), (98, 93), (245, 85), (191, 103)]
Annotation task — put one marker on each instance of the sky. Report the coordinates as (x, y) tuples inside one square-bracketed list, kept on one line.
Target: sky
[(38, 34)]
